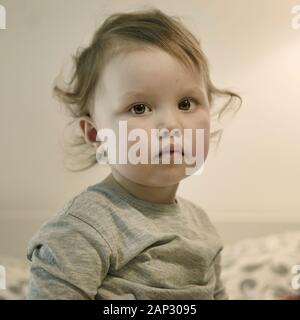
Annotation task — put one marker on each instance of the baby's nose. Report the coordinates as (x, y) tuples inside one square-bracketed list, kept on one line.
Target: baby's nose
[(172, 132)]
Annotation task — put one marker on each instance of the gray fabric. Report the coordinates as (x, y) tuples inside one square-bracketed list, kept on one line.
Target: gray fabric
[(107, 244)]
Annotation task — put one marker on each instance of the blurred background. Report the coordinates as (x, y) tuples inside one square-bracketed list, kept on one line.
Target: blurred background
[(250, 185)]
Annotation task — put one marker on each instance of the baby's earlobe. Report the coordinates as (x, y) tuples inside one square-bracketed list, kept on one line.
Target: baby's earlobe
[(92, 134)]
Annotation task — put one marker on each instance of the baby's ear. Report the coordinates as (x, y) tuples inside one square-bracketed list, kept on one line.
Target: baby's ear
[(88, 129)]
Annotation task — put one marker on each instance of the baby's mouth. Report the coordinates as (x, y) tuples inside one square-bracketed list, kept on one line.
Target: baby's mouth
[(172, 152), (171, 149)]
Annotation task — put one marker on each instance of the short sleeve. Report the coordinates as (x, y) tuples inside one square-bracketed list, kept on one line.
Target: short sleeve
[(69, 260), (220, 291)]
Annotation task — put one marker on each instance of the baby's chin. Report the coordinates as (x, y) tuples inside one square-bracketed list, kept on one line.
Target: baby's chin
[(159, 175), (156, 175)]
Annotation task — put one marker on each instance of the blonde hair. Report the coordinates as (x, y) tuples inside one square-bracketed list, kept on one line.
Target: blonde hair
[(123, 32)]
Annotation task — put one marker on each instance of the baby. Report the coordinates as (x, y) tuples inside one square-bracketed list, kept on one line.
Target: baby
[(129, 236)]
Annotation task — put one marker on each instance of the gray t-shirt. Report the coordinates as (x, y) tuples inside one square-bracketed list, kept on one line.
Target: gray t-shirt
[(107, 244)]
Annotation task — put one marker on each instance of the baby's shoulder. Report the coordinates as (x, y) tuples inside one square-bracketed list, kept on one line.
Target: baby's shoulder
[(80, 220), (92, 208)]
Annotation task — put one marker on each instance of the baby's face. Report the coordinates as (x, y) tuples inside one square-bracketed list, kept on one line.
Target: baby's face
[(167, 95)]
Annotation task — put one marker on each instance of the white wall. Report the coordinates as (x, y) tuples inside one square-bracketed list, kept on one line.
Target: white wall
[(252, 48)]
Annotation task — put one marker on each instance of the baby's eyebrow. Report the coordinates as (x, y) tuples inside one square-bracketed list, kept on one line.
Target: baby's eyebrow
[(132, 94), (192, 90)]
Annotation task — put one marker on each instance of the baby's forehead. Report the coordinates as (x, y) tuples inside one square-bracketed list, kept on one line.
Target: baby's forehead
[(148, 71), (151, 61)]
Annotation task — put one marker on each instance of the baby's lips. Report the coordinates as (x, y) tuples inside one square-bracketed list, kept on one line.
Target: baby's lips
[(172, 148)]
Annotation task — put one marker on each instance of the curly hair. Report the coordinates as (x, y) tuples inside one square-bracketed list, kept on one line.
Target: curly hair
[(122, 32)]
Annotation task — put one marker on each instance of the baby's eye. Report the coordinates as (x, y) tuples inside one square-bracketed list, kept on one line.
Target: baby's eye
[(138, 108), (186, 104)]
